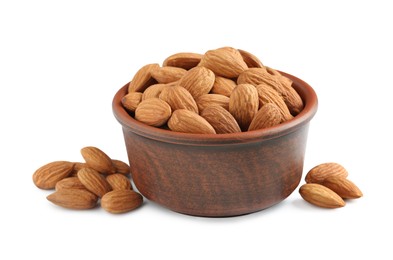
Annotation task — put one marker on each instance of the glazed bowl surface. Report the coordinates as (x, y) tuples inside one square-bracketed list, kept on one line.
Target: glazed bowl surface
[(217, 175)]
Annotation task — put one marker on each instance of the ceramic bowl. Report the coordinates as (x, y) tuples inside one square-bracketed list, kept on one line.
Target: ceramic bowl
[(218, 175)]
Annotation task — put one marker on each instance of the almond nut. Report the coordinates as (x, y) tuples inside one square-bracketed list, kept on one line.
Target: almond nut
[(222, 121), (70, 183), (94, 181), (269, 115), (212, 99), (153, 112), (223, 86), (185, 60), (120, 201), (119, 182), (186, 121), (73, 198), (198, 81), (167, 74), (48, 175), (243, 104), (142, 78), (320, 172), (321, 196), (178, 98), (131, 100), (345, 188), (98, 160)]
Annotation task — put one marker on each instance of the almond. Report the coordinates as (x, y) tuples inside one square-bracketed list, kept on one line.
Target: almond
[(179, 98), (185, 60), (186, 121), (153, 91), (118, 182), (206, 100), (131, 100), (223, 86), (267, 94), (221, 120), (243, 104), (320, 172), (226, 62), (250, 59), (48, 175), (94, 181), (77, 167), (70, 183), (269, 115), (198, 81), (257, 76), (120, 201), (73, 199), (98, 160), (321, 196), (167, 74), (345, 188), (142, 79), (121, 167), (153, 111)]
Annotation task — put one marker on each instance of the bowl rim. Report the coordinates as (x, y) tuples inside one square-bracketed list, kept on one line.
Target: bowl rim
[(305, 91)]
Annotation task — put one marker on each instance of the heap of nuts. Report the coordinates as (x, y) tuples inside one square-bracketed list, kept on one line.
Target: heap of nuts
[(225, 90), (327, 185), (80, 185)]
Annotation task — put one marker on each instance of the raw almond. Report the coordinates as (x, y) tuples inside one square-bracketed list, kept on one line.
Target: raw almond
[(48, 175), (120, 201), (121, 167), (345, 188), (243, 104), (153, 91), (198, 81), (73, 198), (118, 182), (94, 181), (132, 100), (269, 115), (226, 62), (142, 79), (223, 86), (98, 160), (153, 111), (250, 59), (186, 121), (266, 94), (320, 172), (179, 98), (185, 60), (206, 100), (70, 183), (321, 196), (221, 120), (256, 76), (167, 74)]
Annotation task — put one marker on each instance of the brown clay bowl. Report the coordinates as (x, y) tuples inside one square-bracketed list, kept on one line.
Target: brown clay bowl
[(218, 175)]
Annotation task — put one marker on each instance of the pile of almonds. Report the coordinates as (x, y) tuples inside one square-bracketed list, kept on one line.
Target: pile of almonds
[(327, 185), (225, 90), (80, 185)]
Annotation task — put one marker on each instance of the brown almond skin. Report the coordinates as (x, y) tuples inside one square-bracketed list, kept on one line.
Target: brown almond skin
[(73, 199), (49, 174), (186, 121), (198, 81), (142, 78), (243, 104), (321, 196), (225, 62), (269, 115), (121, 167), (250, 59), (178, 98), (267, 94), (212, 99), (320, 172), (153, 91), (121, 201), (185, 60), (77, 167), (153, 112), (223, 86), (345, 188), (70, 183), (131, 101), (167, 74), (98, 160), (221, 120), (94, 181), (119, 182)]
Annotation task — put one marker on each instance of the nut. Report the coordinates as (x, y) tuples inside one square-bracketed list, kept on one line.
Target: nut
[(321, 196), (243, 104), (94, 182), (142, 79), (345, 188), (186, 121), (73, 198), (320, 172), (167, 74), (48, 175), (70, 183), (178, 98), (185, 60), (98, 160), (198, 81), (212, 99), (119, 182), (120, 201), (221, 120), (269, 115), (153, 111)]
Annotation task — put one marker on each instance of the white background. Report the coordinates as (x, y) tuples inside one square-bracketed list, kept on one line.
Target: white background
[(62, 62)]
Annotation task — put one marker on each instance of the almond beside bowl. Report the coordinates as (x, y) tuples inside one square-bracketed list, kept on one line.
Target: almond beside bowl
[(217, 175)]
